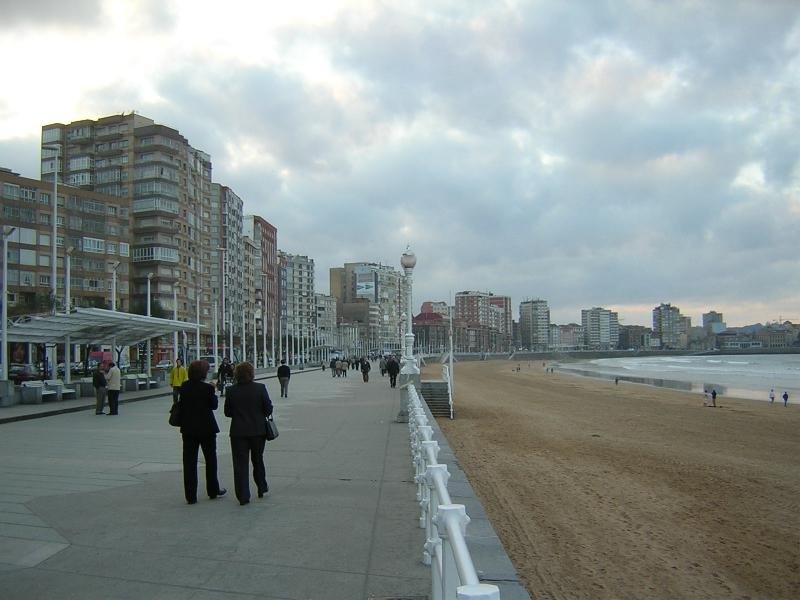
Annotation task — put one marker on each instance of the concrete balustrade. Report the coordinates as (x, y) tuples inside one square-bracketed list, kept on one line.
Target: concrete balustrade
[(453, 574)]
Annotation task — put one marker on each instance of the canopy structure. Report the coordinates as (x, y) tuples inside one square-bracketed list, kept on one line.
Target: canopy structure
[(93, 326)]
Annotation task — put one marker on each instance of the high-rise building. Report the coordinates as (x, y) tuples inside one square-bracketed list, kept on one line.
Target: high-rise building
[(534, 324), (94, 228), (228, 255), (505, 327), (265, 236), (472, 307), (670, 327), (439, 308), (713, 323), (601, 328), (167, 183), (298, 303)]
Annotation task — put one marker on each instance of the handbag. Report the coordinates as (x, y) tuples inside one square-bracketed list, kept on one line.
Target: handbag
[(272, 429), (175, 414)]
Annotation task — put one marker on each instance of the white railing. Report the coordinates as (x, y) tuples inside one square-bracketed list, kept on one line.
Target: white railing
[(449, 380), (453, 573)]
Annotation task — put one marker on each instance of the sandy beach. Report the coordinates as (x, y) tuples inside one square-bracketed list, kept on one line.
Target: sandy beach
[(627, 491)]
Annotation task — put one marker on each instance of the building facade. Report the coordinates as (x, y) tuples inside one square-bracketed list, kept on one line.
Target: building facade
[(601, 328), (534, 325), (670, 327)]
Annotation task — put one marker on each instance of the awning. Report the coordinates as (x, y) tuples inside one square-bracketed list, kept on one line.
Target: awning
[(93, 326)]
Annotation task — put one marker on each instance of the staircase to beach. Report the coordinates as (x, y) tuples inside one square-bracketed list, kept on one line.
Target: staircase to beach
[(436, 397)]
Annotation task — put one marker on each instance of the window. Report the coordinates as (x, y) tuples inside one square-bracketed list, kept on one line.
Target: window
[(94, 245), (44, 260), (80, 162), (10, 191), (111, 248), (44, 280), (51, 135), (124, 249), (80, 178), (44, 198), (44, 239), (26, 236)]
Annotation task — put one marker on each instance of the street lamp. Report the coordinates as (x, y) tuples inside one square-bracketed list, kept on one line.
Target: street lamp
[(409, 261), (224, 279), (149, 358), (114, 266), (7, 231), (68, 302)]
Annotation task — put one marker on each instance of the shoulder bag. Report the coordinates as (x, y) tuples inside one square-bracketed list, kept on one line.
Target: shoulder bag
[(175, 418), (272, 429)]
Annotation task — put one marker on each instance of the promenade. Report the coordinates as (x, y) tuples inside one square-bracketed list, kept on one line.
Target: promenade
[(93, 507)]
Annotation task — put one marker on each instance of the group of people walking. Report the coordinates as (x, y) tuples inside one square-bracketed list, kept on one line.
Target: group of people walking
[(248, 405)]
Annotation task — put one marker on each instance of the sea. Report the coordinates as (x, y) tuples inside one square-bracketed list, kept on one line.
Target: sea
[(749, 376)]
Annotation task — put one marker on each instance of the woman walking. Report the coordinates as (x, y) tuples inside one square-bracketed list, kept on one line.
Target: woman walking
[(248, 405), (199, 430)]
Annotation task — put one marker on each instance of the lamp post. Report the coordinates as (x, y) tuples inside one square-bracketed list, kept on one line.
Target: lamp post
[(410, 370), (114, 266), (7, 231), (68, 301), (224, 278), (175, 318), (149, 358)]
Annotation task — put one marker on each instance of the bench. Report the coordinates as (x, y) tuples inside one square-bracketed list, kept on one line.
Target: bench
[(146, 383), (35, 392), (130, 383), (64, 393)]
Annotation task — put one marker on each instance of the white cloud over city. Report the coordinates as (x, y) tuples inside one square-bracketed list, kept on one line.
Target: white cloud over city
[(616, 154)]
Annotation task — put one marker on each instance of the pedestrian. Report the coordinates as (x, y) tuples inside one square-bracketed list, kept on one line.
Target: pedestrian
[(365, 368), (322, 364), (785, 399), (333, 367), (382, 366), (345, 366), (714, 398), (177, 376), (284, 373), (199, 430), (772, 396), (248, 405), (114, 384), (224, 374), (616, 380), (393, 368), (99, 383)]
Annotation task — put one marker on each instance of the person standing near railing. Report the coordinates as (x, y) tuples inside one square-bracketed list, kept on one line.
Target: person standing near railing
[(393, 368), (114, 384)]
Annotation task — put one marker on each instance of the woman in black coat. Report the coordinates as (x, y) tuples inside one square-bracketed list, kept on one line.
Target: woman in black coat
[(199, 430), (248, 405)]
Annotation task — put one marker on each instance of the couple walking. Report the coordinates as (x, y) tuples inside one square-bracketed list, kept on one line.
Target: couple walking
[(248, 405)]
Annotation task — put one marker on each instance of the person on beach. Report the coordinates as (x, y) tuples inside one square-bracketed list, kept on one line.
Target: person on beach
[(248, 405), (785, 399), (771, 396), (199, 430), (99, 384), (714, 398), (177, 376), (284, 373)]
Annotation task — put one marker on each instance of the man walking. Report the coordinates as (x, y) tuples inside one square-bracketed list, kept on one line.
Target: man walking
[(365, 368), (284, 372), (114, 383), (177, 376), (393, 368), (785, 399)]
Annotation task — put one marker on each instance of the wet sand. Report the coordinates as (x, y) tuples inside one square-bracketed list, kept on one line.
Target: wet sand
[(630, 491)]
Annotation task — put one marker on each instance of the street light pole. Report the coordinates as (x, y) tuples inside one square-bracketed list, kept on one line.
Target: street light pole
[(7, 231), (223, 277), (68, 300), (149, 358), (409, 261), (114, 266)]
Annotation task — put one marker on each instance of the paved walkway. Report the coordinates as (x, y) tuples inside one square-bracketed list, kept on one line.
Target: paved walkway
[(92, 507)]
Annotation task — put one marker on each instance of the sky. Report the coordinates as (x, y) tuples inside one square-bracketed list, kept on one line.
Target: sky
[(615, 154)]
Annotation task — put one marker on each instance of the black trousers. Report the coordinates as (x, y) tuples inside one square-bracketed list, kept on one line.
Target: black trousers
[(190, 445), (242, 449), (113, 402), (392, 380)]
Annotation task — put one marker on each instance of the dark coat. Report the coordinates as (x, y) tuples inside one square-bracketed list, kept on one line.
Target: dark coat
[(198, 402), (284, 371), (365, 366), (98, 378), (393, 367), (248, 405)]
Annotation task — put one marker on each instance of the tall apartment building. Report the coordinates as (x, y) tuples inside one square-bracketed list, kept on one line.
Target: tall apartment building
[(534, 324), (227, 254), (601, 328), (636, 337), (297, 299), (167, 183), (96, 228), (506, 328), (713, 323), (670, 327), (567, 337), (325, 318), (472, 307), (439, 308), (265, 236)]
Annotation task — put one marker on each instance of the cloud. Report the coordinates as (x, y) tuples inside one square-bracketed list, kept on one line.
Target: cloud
[(590, 154)]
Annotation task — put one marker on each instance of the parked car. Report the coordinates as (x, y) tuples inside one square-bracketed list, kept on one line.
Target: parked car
[(18, 372), (164, 364)]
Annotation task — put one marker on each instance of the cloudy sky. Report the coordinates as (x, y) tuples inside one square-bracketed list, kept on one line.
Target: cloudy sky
[(616, 154)]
